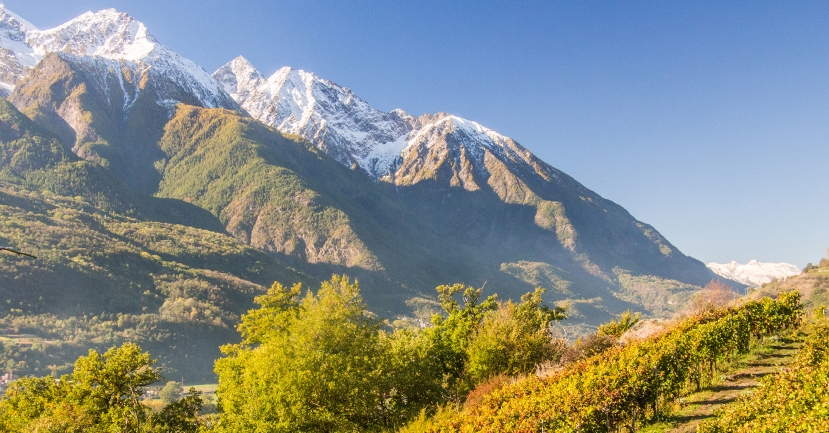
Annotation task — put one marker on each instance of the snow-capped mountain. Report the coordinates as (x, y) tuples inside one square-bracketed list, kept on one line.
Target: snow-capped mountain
[(100, 36), (753, 273), (388, 146), (16, 56), (330, 116), (445, 199), (441, 150)]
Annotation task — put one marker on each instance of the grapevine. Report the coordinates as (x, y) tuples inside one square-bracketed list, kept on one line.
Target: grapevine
[(624, 386), (795, 399)]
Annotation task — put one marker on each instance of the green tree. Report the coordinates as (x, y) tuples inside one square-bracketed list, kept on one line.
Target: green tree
[(180, 416), (415, 374), (104, 390), (319, 362), (111, 385), (171, 392), (514, 338), (618, 326), (451, 333), (309, 364), (102, 395)]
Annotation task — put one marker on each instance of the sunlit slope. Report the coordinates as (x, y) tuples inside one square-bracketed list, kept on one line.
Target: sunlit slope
[(281, 196), (812, 283), (104, 110), (288, 198), (480, 215), (116, 264)]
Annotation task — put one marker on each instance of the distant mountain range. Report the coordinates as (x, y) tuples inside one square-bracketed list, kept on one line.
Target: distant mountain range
[(189, 193), (754, 273)]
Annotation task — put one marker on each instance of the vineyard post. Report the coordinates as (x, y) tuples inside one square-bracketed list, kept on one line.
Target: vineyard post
[(698, 376), (656, 399), (607, 419)]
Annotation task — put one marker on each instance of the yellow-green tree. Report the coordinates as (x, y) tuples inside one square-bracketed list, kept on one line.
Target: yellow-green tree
[(451, 332), (171, 392), (618, 326), (311, 363), (319, 363), (514, 338), (103, 394)]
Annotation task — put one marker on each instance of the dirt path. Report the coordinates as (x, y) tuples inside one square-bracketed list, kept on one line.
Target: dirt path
[(701, 405)]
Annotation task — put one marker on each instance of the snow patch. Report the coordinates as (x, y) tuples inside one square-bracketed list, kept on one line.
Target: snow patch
[(384, 158), (13, 33), (27, 25)]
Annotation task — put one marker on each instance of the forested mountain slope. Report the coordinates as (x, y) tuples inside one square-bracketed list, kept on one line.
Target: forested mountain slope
[(510, 229), (111, 264)]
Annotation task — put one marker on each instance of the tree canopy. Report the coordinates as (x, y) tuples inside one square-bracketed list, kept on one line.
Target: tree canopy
[(320, 362), (103, 394)]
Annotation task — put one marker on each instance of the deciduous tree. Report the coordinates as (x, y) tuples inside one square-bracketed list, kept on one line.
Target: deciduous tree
[(305, 364), (103, 394)]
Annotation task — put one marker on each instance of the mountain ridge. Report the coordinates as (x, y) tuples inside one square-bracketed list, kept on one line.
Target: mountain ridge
[(101, 115), (111, 35), (325, 185), (401, 149)]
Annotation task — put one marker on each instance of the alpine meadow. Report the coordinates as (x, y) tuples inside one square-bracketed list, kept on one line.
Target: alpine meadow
[(183, 251)]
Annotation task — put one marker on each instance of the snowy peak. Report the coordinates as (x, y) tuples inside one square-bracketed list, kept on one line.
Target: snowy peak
[(238, 77), (118, 36), (754, 273), (108, 33), (16, 57), (346, 127), (7, 16), (298, 102)]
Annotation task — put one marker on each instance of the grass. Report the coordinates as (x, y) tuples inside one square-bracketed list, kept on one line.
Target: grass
[(204, 388)]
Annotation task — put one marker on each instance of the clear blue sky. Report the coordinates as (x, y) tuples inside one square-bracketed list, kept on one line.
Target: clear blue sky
[(708, 120)]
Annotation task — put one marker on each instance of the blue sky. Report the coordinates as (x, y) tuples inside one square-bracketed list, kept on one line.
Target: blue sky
[(709, 121)]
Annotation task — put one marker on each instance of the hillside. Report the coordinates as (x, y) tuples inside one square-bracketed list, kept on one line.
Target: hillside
[(624, 385), (438, 156), (290, 199), (112, 265), (505, 229), (643, 382)]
